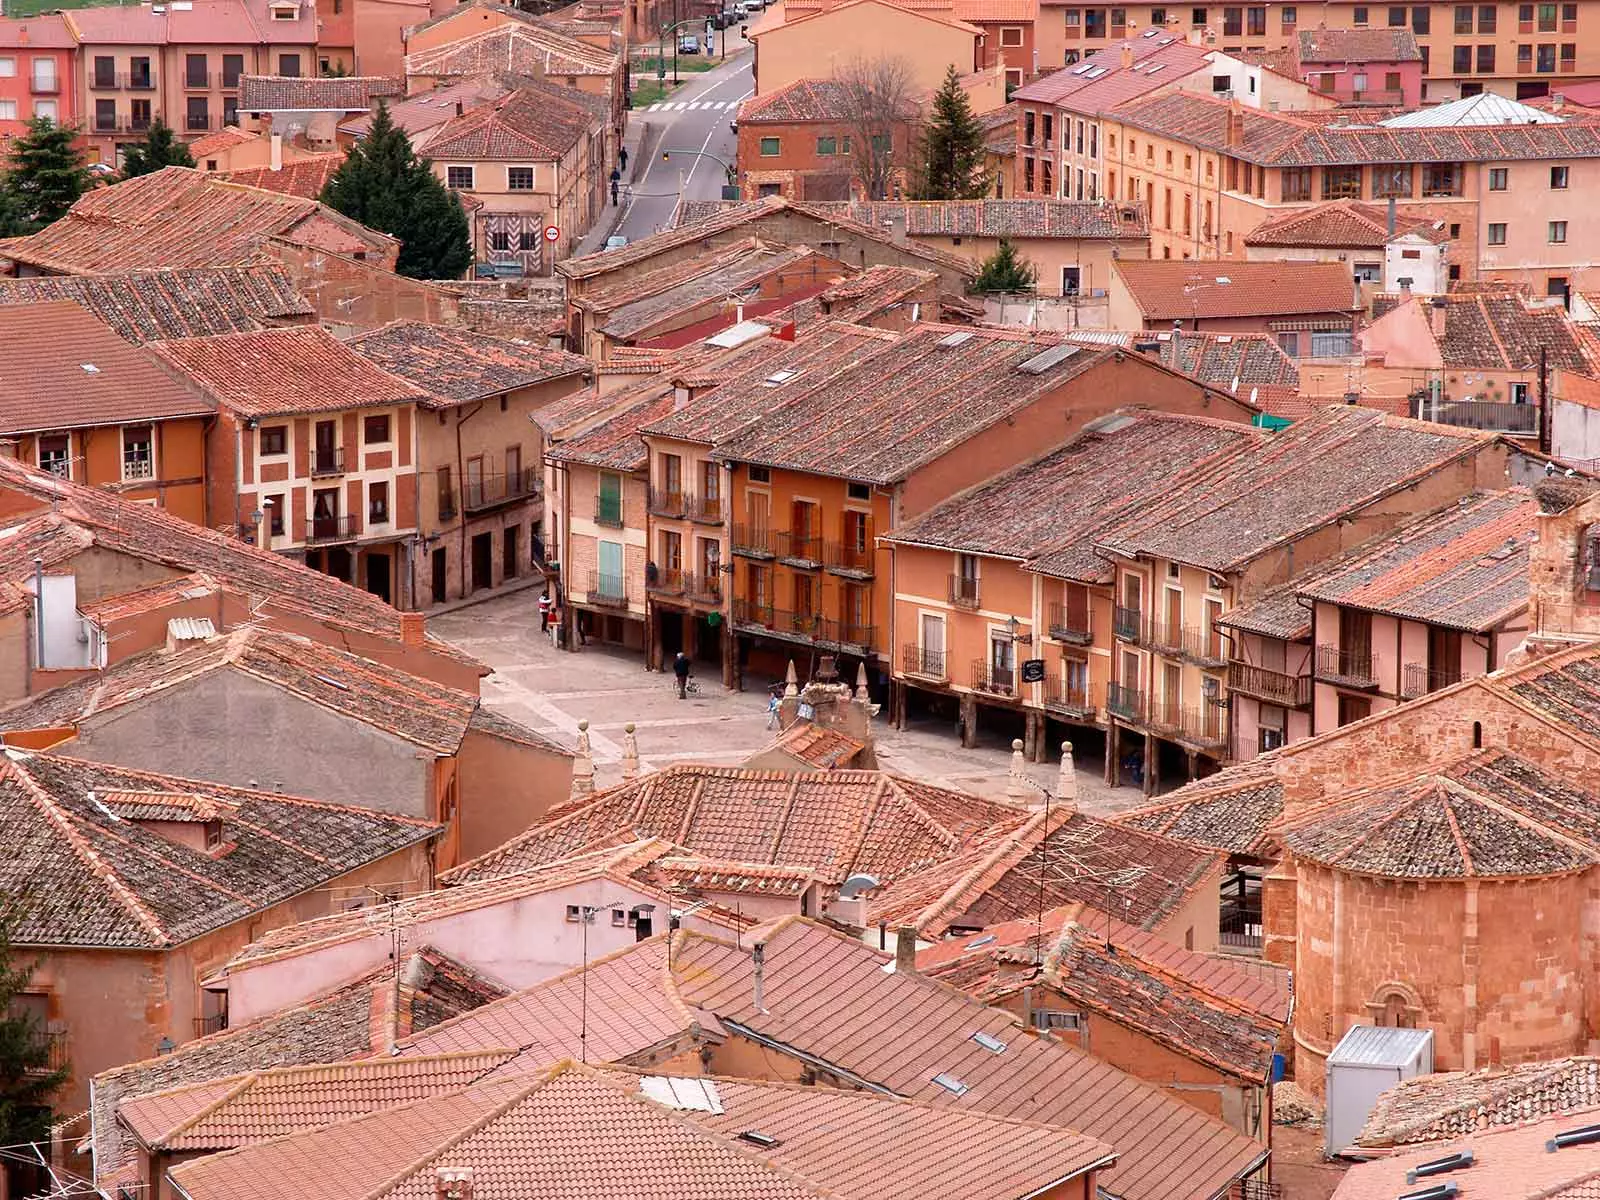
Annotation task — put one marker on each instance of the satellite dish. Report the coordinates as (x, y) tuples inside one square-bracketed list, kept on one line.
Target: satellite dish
[(855, 885)]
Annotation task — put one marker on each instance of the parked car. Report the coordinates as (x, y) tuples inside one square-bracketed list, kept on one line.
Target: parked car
[(721, 20), (739, 12), (688, 44), (616, 242)]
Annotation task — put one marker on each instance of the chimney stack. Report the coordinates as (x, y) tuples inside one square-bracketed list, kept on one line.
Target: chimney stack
[(459, 108), (277, 152), (905, 950), (1127, 55), (413, 629), (1437, 312), (1391, 218), (1235, 132), (452, 1183), (758, 961)]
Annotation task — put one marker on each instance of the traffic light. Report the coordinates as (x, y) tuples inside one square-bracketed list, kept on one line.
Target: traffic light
[(665, 155)]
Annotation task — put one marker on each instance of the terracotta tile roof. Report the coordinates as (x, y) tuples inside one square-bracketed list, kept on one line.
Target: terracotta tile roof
[(1270, 491), (803, 100), (431, 109), (63, 369), (336, 1025), (207, 22), (1344, 136), (721, 876), (1340, 224), (538, 121), (275, 371), (614, 444), (1276, 613), (456, 366), (1498, 330), (1048, 512), (1464, 567), (243, 1110), (835, 823), (223, 139), (1488, 815), (305, 177), (860, 299), (178, 217), (48, 31), (536, 51), (1233, 811), (315, 93), (1358, 46), (1002, 218), (1453, 1104), (1000, 125), (1196, 1004), (147, 306), (1507, 1164), (993, 11), (426, 714), (180, 807), (80, 875), (1100, 82), (829, 997), (822, 746), (1167, 290), (1242, 364)]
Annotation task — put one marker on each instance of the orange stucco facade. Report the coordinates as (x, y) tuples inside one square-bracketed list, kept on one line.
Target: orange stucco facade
[(163, 461)]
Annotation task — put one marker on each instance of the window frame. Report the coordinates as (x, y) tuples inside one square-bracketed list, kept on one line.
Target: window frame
[(282, 438), (777, 147), (455, 171), (514, 177)]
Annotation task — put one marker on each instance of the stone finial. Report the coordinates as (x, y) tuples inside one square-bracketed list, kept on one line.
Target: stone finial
[(861, 683), (1067, 780), (791, 681), (583, 763), (1017, 777), (630, 753)]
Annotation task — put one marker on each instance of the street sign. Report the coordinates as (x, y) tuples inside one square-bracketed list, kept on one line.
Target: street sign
[(1033, 670), (552, 233)]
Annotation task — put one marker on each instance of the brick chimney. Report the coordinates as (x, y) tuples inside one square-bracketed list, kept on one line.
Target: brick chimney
[(413, 629), (905, 951), (1437, 310), (452, 1183), (1127, 55), (1235, 132)]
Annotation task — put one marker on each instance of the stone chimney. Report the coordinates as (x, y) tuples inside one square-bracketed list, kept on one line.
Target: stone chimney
[(758, 976), (1127, 55), (905, 950), (1235, 131), (583, 764), (452, 1183), (413, 629), (1438, 308), (833, 704), (895, 223)]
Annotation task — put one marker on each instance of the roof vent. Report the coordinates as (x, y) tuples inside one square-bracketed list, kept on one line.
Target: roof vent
[(1154, 67), (1223, 279), (756, 1138), (951, 340), (1439, 1191), (989, 1042), (1581, 1136), (983, 941), (1439, 1166), (778, 377), (950, 1084), (89, 368), (332, 682), (1045, 359)]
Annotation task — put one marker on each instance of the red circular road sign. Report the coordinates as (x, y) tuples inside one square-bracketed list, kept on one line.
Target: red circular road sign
[(552, 233)]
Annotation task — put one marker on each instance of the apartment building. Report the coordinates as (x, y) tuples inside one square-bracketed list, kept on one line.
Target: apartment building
[(818, 43), (1512, 49), (181, 62), (314, 452), (91, 407), (36, 72), (1362, 66)]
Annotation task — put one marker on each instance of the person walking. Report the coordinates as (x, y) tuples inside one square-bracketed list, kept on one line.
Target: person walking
[(680, 668), (544, 613), (622, 156)]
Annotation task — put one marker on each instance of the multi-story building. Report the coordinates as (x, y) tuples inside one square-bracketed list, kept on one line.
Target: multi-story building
[(1314, 302), (314, 452), (86, 404), (823, 41), (802, 141), (181, 63), (36, 73), (479, 450), (1362, 66)]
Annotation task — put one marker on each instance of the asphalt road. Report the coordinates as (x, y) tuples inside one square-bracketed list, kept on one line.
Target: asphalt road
[(693, 127)]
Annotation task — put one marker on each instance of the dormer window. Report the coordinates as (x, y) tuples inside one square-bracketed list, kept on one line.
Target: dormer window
[(285, 12)]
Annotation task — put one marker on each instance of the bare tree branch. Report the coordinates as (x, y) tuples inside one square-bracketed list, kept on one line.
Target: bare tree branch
[(880, 105)]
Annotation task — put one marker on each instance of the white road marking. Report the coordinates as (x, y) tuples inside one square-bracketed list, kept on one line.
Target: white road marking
[(654, 107)]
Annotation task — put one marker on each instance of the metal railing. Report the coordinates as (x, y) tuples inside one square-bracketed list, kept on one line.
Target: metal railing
[(994, 679), (668, 502), (1275, 687), (1189, 641), (196, 123), (608, 511), (1239, 924), (963, 591), (703, 587), (805, 627), (667, 580), (215, 1023), (1127, 623), (328, 461), (141, 83), (1124, 702), (754, 541), (108, 82), (58, 1051), (447, 504), (798, 547), (331, 529), (1072, 699), (503, 488), (1356, 667), (1482, 414), (844, 556), (1418, 680), (705, 508), (1203, 726), (753, 612), (919, 660), (196, 81), (1067, 626), (608, 589)]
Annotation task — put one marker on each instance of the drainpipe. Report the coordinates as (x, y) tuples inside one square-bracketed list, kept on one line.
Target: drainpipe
[(461, 490), (38, 613)]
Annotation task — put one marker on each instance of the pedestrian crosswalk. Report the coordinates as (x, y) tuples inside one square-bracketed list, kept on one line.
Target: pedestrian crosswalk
[(688, 105)]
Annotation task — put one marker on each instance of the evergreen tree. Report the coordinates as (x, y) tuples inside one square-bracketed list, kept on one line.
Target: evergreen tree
[(385, 186), (160, 148), (27, 1081), (1005, 271), (47, 174), (12, 223), (952, 147)]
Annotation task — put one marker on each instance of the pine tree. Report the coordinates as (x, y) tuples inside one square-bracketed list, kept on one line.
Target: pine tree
[(47, 174), (385, 186), (1005, 271), (160, 148), (952, 147), (27, 1081)]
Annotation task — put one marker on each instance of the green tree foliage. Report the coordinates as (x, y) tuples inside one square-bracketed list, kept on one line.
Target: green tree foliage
[(160, 148), (952, 147), (385, 186), (27, 1081), (47, 175), (1005, 271)]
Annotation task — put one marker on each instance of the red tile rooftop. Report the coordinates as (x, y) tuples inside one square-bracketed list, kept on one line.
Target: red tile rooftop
[(1335, 46), (305, 177), (1343, 223), (518, 49), (1453, 1104), (1101, 81), (539, 121), (457, 366), (1168, 290)]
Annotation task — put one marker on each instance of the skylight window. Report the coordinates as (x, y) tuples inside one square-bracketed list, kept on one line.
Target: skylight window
[(778, 378), (951, 340), (983, 941), (90, 368), (684, 1095), (1084, 69), (756, 1138), (1439, 1191), (1150, 33), (1096, 72), (1581, 1136), (1154, 67), (951, 1084), (1223, 279), (989, 1042)]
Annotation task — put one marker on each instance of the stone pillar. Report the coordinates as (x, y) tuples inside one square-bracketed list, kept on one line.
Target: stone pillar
[(1113, 773), (630, 753), (652, 637), (1067, 778), (1151, 760), (1017, 775), (730, 657), (583, 764), (969, 720)]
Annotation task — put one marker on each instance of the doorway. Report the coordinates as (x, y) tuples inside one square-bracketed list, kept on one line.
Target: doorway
[(440, 569), (482, 560), (326, 448), (376, 576), (508, 552)]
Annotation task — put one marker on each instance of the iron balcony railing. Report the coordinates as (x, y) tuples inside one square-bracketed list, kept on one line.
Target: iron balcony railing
[(1275, 687), (963, 591), (666, 580), (331, 529), (919, 660), (1071, 699), (668, 502), (704, 587), (846, 556), (1189, 641), (197, 81), (798, 547), (993, 678), (1124, 702), (1127, 623), (1356, 667), (197, 122), (1068, 626), (504, 488), (705, 508), (1418, 680), (608, 589), (215, 1023), (805, 627), (753, 541), (1483, 414), (328, 461), (608, 511), (1202, 726), (58, 1050), (753, 612)]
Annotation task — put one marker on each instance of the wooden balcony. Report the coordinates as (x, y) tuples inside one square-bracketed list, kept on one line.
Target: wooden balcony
[(1275, 687)]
